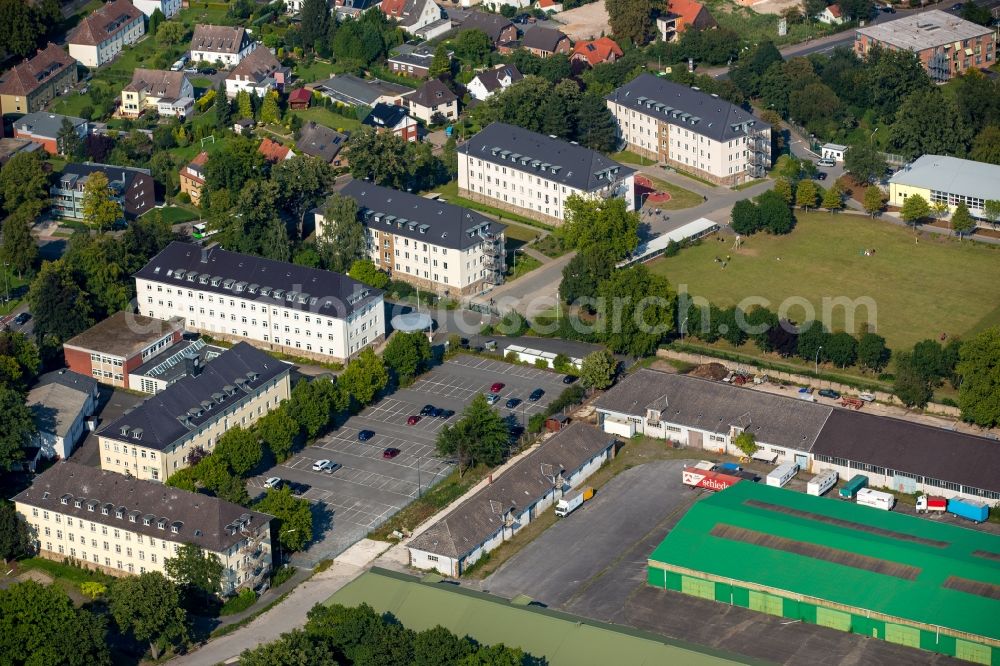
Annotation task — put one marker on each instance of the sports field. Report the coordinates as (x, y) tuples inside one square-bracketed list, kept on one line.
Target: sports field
[(919, 289)]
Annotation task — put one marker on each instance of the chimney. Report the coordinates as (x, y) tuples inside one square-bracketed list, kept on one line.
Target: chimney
[(192, 365)]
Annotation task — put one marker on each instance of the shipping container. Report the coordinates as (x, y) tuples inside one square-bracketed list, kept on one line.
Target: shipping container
[(927, 503), (876, 499), (857, 482), (700, 478), (973, 510), (782, 475), (822, 482)]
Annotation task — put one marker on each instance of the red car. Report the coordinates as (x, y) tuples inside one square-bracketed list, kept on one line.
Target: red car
[(389, 454), (413, 420), (496, 388)]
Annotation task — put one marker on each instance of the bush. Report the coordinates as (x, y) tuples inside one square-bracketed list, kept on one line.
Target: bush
[(242, 601), (541, 363), (282, 575), (512, 357), (536, 423)]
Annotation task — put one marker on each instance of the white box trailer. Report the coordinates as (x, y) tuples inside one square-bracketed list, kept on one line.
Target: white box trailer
[(822, 482), (782, 474), (876, 499)]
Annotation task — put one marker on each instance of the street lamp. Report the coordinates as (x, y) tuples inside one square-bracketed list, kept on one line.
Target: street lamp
[(817, 358), (872, 135), (683, 324), (294, 529)]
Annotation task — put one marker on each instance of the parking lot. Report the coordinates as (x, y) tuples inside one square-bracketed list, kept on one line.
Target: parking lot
[(368, 488)]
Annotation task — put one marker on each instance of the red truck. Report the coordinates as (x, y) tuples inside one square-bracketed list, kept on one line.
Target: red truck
[(701, 478)]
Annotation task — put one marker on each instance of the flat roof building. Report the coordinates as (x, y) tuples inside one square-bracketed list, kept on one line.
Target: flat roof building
[(131, 187), (60, 403), (947, 180), (354, 91), (43, 128)]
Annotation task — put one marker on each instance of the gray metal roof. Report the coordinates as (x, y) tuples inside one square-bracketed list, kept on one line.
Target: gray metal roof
[(686, 107), (320, 141), (353, 90), (422, 219), (199, 519), (715, 406), (42, 123), (481, 516), (547, 157), (196, 400), (952, 175)]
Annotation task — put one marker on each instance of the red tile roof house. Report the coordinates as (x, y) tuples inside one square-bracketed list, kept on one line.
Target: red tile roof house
[(549, 6), (681, 15), (299, 98), (29, 86), (274, 152), (596, 52)]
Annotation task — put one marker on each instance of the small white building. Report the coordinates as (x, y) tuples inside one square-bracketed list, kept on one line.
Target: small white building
[(485, 84), (103, 34), (168, 7), (60, 404), (832, 15), (221, 44), (833, 151), (512, 500)]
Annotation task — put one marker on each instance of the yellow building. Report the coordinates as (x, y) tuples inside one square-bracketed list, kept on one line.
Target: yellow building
[(947, 180), (122, 525), (167, 93), (156, 438), (29, 86)]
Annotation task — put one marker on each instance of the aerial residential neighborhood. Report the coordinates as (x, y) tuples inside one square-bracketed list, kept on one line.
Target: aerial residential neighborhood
[(462, 332)]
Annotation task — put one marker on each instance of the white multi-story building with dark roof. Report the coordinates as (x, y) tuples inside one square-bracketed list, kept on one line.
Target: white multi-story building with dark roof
[(224, 44), (533, 175), (691, 130), (103, 34)]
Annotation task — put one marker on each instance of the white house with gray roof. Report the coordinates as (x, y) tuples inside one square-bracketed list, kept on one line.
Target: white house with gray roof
[(533, 175), (947, 180), (691, 130)]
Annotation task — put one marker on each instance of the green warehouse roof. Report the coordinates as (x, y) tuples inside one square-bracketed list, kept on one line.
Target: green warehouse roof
[(562, 639), (901, 566)]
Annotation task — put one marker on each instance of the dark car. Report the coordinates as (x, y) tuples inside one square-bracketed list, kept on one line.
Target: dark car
[(446, 413), (516, 432), (436, 412), (22, 319), (413, 420), (365, 435), (821, 176), (536, 395), (210, 71), (829, 393), (298, 489), (513, 402), (569, 379), (957, 7), (427, 409), (390, 453)]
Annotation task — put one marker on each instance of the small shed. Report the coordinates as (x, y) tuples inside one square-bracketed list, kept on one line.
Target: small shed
[(556, 422), (833, 151), (243, 126), (299, 98)]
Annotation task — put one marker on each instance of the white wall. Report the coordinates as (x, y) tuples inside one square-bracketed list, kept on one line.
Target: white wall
[(168, 7)]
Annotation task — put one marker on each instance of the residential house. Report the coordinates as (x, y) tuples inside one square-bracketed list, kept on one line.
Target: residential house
[(244, 126), (43, 128), (946, 45), (431, 100), (102, 34), (549, 6), (274, 152), (493, 80), (59, 404), (27, 87), (322, 143), (544, 42), (947, 180), (499, 29), (112, 348), (350, 90), (395, 119), (170, 8), (595, 52), (533, 174), (221, 44), (273, 304), (192, 177), (131, 187), (691, 130), (299, 99), (428, 243), (681, 15), (411, 15), (832, 15), (415, 62), (122, 525), (258, 73), (344, 9), (167, 93)]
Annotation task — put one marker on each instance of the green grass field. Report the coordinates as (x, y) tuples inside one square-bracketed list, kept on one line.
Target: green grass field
[(332, 120), (920, 290), (679, 197)]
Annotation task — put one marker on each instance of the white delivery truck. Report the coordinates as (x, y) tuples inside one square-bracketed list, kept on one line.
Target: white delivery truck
[(782, 474), (570, 503), (876, 499), (822, 482)]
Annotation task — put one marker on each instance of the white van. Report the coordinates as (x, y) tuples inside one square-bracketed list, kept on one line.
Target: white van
[(782, 474), (876, 499), (826, 162)]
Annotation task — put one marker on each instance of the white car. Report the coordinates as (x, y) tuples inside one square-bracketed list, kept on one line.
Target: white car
[(492, 398), (327, 466), (272, 482), (867, 397), (826, 162)]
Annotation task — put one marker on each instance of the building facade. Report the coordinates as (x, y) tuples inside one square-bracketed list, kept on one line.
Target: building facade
[(498, 79), (416, 63), (220, 44), (43, 128), (258, 73), (132, 188), (126, 526), (544, 42), (192, 177), (411, 15), (395, 119), (272, 304), (168, 7), (681, 15), (533, 175), (103, 34), (947, 180), (431, 244), (29, 86), (60, 403), (431, 100), (691, 130), (168, 93)]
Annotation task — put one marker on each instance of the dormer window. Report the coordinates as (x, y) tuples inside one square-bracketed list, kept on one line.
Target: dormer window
[(119, 513), (145, 521), (77, 503)]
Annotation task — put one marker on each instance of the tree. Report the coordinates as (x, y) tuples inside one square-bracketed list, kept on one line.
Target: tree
[(596, 127), (16, 539), (873, 355), (746, 443), (240, 449), (342, 237), (217, 476), (41, 626), (841, 349), (17, 426), (745, 218), (61, 309), (441, 63), (986, 145), (197, 572), (293, 526), (93, 589), (294, 648), (874, 200), (170, 33), (481, 435), (915, 209), (598, 369), (890, 75), (911, 135), (813, 341), (363, 270), (381, 158), (437, 646), (584, 273), (19, 249), (636, 312), (270, 111), (23, 182), (600, 221), (785, 188), (911, 386), (100, 210), (237, 162), (407, 355), (776, 217), (313, 403), (155, 19), (806, 194), (69, 142), (222, 107), (364, 377), (315, 23), (473, 46), (972, 11), (864, 162), (302, 181), (19, 29), (279, 431), (832, 198), (148, 607), (979, 372), (961, 220)]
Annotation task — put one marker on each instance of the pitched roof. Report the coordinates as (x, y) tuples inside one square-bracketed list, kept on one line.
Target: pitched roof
[(544, 39), (103, 23), (300, 95), (564, 162), (199, 519), (951, 174), (427, 220), (597, 51), (157, 83), (353, 90), (386, 115), (491, 77), (309, 289), (692, 109), (56, 407), (44, 124), (25, 78), (272, 150), (474, 521), (124, 334), (196, 400), (492, 24), (835, 11), (113, 172), (432, 93), (689, 10), (320, 141), (68, 378), (218, 38), (548, 3), (256, 66)]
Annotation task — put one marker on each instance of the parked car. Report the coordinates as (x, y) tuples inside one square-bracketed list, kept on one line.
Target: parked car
[(867, 397), (365, 435), (327, 466), (272, 482), (413, 420), (298, 489), (825, 162), (426, 410), (390, 453), (536, 395), (436, 412), (829, 393), (957, 7), (569, 379), (492, 398), (821, 175), (446, 414), (208, 71), (497, 387), (22, 318), (513, 402)]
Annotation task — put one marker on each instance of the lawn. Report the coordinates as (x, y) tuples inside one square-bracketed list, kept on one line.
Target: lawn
[(449, 193), (326, 117), (519, 264), (754, 27), (679, 197), (317, 70), (176, 214), (919, 289)]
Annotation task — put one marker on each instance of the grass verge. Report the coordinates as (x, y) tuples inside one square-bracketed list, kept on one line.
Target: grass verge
[(449, 192), (520, 265)]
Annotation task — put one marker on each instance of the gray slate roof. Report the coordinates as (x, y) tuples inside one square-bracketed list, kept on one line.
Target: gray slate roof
[(385, 115), (491, 77), (68, 378), (492, 24), (42, 123), (200, 520), (320, 141), (545, 39), (194, 401), (705, 114), (432, 94), (443, 224), (715, 406), (475, 520), (575, 166), (953, 175), (352, 90), (327, 293)]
